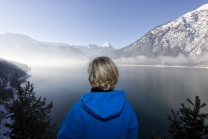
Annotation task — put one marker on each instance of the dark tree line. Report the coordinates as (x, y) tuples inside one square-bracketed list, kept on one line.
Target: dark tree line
[(8, 69), (20, 65), (9, 79)]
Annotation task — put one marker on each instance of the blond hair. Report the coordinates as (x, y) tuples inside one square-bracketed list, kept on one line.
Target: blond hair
[(103, 73)]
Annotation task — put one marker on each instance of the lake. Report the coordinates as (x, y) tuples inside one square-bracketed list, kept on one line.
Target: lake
[(152, 91)]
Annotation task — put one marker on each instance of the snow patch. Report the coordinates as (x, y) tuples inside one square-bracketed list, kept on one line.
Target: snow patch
[(8, 86), (4, 118)]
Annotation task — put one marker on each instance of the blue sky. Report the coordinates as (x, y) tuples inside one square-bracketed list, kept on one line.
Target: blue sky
[(83, 22)]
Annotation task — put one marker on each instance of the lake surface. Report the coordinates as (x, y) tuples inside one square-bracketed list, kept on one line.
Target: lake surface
[(152, 91)]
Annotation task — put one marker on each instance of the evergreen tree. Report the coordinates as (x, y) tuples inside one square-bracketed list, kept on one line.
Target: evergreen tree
[(15, 80), (187, 123), (30, 116), (191, 123)]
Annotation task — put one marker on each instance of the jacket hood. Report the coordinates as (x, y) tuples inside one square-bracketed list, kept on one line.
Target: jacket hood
[(103, 105)]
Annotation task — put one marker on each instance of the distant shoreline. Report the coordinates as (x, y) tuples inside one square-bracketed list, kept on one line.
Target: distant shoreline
[(161, 66)]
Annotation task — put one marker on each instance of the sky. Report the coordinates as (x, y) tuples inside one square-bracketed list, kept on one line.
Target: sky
[(84, 22)]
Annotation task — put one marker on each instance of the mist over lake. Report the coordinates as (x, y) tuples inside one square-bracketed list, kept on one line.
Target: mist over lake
[(152, 91)]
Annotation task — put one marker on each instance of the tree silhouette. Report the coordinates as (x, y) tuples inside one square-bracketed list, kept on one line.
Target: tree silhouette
[(29, 116), (191, 123), (187, 123)]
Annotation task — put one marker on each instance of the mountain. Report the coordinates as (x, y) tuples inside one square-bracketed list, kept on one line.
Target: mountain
[(89, 50), (93, 50), (105, 48), (64, 50), (186, 36), (22, 47), (21, 43), (17, 46)]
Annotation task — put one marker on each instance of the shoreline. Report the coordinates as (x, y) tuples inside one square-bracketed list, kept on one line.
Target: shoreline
[(24, 77), (162, 66)]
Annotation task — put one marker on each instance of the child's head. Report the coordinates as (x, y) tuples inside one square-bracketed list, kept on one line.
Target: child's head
[(103, 73)]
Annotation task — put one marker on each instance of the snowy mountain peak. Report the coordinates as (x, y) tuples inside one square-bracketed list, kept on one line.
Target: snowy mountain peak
[(105, 48), (106, 45), (203, 7)]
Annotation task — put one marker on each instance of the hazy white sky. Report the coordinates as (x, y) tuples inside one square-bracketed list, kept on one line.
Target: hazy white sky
[(83, 22)]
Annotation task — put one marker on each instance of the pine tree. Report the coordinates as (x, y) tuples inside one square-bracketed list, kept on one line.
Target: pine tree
[(187, 123), (191, 123), (30, 116), (14, 80)]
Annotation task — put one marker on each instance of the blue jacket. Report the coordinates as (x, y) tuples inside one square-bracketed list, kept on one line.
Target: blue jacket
[(100, 115)]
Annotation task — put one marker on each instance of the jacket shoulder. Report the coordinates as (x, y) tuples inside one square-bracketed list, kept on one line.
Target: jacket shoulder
[(130, 116), (127, 105), (70, 126), (76, 108)]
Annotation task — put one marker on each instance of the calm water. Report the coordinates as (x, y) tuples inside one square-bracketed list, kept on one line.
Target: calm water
[(152, 91)]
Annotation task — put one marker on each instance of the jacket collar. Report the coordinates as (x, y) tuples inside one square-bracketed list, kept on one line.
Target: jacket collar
[(99, 89)]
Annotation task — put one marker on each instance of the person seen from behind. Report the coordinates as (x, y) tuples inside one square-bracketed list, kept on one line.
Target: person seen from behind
[(103, 113)]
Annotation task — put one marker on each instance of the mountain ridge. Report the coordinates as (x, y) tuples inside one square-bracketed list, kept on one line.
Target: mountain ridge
[(186, 35)]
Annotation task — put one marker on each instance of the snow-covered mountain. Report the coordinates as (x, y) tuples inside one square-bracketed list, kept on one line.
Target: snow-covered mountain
[(93, 50), (64, 50), (17, 46), (21, 43), (187, 35), (89, 50), (24, 44), (105, 48)]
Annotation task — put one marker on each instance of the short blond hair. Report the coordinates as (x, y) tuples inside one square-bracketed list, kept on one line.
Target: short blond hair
[(103, 73)]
